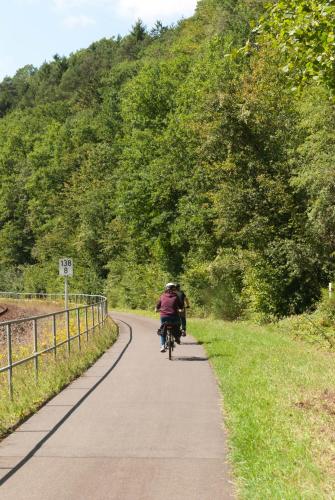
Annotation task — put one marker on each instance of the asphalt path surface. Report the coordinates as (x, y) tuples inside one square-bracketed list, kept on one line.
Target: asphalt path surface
[(134, 426)]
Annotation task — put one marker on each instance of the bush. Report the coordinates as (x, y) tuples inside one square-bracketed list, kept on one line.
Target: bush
[(284, 280), (11, 279), (317, 327), (215, 287)]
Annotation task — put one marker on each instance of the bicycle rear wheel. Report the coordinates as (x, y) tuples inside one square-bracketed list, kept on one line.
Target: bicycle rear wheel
[(170, 346), (169, 337)]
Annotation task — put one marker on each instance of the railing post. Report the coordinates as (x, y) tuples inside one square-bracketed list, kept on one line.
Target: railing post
[(54, 334), (68, 331), (35, 348), (10, 360), (106, 309), (78, 327), (99, 304), (86, 323), (93, 322)]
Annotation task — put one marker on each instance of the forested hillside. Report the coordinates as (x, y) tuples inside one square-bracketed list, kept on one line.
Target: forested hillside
[(201, 153)]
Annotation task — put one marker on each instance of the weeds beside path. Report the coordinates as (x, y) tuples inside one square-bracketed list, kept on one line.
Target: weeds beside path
[(279, 405)]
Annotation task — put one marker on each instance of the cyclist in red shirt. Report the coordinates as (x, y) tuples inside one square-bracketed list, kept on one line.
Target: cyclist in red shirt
[(169, 305)]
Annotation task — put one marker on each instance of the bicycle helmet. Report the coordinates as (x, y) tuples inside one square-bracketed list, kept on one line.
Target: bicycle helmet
[(170, 286)]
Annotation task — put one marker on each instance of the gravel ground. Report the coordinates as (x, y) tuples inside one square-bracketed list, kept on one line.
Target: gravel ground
[(21, 331)]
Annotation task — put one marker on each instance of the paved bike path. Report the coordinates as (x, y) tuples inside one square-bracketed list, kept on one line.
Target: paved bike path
[(135, 426)]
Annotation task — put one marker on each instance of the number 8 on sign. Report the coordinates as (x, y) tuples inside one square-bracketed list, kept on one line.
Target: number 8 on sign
[(65, 267)]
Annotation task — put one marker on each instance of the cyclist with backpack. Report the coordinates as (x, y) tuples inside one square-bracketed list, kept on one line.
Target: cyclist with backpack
[(184, 300)]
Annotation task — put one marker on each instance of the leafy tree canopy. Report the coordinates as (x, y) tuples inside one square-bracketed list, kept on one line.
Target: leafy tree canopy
[(303, 31)]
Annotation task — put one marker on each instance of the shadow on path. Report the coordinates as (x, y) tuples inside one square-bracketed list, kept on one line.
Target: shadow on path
[(192, 343), (189, 358)]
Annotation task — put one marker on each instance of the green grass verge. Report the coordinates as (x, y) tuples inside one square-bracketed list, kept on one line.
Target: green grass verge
[(29, 396), (279, 405)]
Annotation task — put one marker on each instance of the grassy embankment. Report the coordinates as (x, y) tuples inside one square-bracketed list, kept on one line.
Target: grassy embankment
[(52, 376), (279, 405)]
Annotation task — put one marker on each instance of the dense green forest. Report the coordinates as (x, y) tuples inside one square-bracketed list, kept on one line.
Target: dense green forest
[(201, 152)]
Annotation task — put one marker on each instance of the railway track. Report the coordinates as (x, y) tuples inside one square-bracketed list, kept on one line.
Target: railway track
[(3, 310)]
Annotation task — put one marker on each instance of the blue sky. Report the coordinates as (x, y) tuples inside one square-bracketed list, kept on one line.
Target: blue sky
[(32, 31)]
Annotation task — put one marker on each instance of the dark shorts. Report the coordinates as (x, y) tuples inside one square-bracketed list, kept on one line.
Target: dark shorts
[(174, 320)]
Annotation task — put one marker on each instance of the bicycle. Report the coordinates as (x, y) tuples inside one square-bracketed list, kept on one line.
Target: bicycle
[(171, 332)]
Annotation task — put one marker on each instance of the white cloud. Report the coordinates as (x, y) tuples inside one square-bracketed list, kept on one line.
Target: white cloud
[(78, 21), (151, 10)]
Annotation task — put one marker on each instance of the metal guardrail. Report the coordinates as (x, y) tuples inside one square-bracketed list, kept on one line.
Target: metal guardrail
[(89, 314), (75, 298)]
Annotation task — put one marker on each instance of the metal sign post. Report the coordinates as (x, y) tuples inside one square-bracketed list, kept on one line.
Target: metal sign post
[(66, 293), (66, 269), (330, 289)]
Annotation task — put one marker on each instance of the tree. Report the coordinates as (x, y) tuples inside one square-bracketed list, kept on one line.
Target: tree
[(138, 31), (13, 91), (303, 31), (158, 30)]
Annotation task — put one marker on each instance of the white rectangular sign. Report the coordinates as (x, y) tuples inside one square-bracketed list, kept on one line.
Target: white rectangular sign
[(65, 267)]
